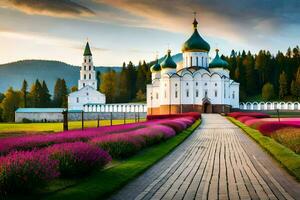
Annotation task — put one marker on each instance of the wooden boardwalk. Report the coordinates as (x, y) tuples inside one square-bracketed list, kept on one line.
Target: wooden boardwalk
[(217, 162)]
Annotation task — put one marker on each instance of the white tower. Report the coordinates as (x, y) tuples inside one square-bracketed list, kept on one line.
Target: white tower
[(87, 71)]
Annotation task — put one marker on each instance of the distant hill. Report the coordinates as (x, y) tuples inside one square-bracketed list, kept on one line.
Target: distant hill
[(13, 74)]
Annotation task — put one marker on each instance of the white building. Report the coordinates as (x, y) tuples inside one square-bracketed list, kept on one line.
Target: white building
[(87, 85), (194, 85)]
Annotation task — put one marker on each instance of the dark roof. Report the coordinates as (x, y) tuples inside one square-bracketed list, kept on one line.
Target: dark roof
[(87, 50), (168, 62), (195, 42), (156, 67), (218, 62)]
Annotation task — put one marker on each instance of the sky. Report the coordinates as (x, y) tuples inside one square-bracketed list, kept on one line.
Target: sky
[(131, 30)]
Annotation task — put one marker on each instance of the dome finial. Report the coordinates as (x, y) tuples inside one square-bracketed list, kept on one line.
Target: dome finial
[(217, 50), (169, 52), (195, 23)]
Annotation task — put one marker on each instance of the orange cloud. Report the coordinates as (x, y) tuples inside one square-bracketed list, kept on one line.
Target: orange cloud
[(54, 8)]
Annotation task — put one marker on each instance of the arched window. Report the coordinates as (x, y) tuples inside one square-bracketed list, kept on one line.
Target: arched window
[(90, 76), (196, 83), (90, 67), (156, 95), (197, 93), (83, 84), (77, 99), (216, 93), (84, 76), (197, 61), (165, 94), (191, 61), (187, 93), (202, 62), (176, 94), (233, 95), (84, 67), (205, 93)]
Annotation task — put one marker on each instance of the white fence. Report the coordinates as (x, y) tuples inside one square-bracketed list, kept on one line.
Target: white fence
[(270, 106), (130, 107)]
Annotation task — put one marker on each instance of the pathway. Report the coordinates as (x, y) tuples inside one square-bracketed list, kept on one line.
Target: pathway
[(217, 161)]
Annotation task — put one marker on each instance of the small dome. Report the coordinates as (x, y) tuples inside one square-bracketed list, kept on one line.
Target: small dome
[(218, 62), (156, 67), (168, 62), (195, 42)]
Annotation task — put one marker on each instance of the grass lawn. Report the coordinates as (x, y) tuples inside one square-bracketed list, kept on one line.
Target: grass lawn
[(103, 183), (289, 159), (13, 129)]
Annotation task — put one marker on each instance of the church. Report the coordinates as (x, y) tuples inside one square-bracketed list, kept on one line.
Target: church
[(87, 85), (193, 85)]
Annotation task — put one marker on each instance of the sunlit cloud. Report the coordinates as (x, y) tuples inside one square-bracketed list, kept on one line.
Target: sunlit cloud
[(54, 8)]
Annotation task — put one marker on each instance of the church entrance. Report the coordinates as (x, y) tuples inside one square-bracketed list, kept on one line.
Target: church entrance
[(206, 106)]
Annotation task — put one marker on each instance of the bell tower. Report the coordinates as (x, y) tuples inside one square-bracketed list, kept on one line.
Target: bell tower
[(87, 71)]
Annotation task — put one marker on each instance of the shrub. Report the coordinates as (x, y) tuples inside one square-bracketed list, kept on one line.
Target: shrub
[(25, 120), (78, 158), (250, 114), (25, 170), (270, 127), (194, 115), (244, 119), (119, 145), (289, 137)]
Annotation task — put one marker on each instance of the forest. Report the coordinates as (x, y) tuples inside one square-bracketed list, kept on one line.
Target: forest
[(262, 77)]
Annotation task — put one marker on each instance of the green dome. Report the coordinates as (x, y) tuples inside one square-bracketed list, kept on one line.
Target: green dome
[(168, 62), (156, 67), (218, 62), (87, 50), (195, 42)]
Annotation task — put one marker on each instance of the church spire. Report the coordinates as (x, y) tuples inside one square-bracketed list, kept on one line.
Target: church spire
[(87, 50), (195, 23)]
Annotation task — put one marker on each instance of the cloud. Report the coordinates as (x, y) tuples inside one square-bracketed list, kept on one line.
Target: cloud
[(54, 8), (241, 21)]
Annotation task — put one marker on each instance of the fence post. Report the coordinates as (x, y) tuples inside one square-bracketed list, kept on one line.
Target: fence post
[(138, 116), (82, 120), (65, 118), (111, 118), (98, 123), (124, 117)]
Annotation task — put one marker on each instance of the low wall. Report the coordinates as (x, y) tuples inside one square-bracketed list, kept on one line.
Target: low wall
[(75, 116)]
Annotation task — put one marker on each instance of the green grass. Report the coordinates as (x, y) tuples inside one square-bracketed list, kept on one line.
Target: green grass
[(289, 159), (102, 184), (13, 129)]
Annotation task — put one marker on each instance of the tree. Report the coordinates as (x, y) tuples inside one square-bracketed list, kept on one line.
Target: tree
[(24, 93), (283, 87), (35, 95), (124, 85), (10, 104), (267, 92), (64, 93), (2, 96), (57, 93), (140, 96), (297, 85), (108, 85), (74, 88), (45, 96)]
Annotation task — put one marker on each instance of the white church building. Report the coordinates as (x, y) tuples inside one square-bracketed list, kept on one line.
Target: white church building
[(87, 85), (193, 85)]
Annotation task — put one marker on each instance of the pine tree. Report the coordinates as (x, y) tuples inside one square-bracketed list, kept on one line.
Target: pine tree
[(297, 85), (64, 94), (45, 96), (24, 93), (283, 85), (57, 101), (124, 85)]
